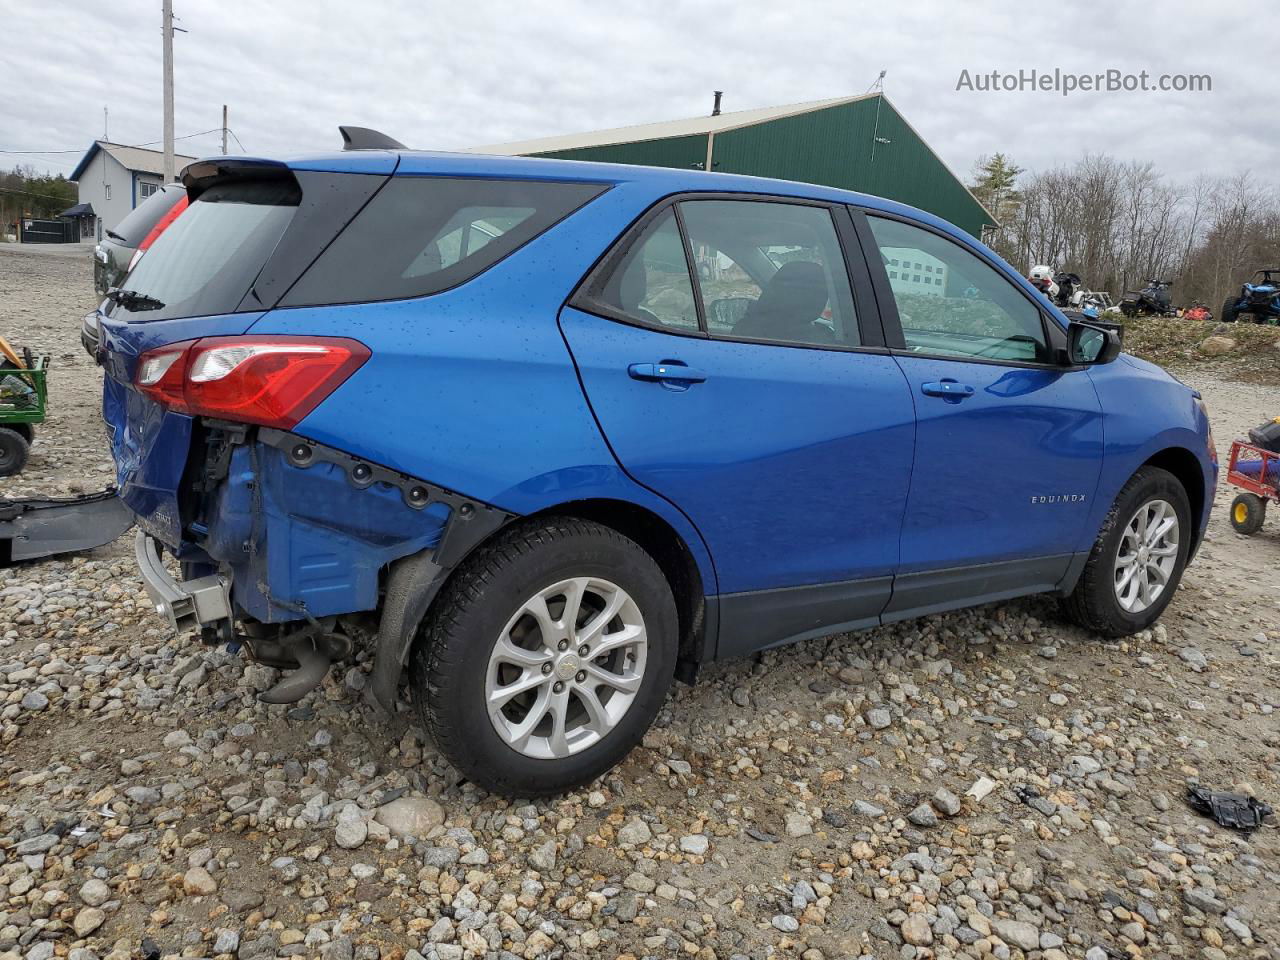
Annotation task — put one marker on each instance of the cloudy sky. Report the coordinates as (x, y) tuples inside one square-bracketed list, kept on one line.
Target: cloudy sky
[(449, 75)]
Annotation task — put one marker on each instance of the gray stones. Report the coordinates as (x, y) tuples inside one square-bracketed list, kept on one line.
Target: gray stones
[(635, 831), (923, 816), (696, 844), (197, 882), (94, 893), (543, 856), (786, 923), (1081, 765), (798, 824), (352, 829), (1194, 657), (88, 920), (916, 931), (34, 701), (1203, 900), (879, 718), (410, 816), (946, 802), (226, 941), (1023, 935)]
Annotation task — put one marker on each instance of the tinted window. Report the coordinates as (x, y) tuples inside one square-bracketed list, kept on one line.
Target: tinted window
[(421, 235), (770, 271), (651, 282), (133, 229), (208, 258), (966, 308)]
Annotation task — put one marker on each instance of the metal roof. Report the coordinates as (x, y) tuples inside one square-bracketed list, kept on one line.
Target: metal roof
[(79, 210), (693, 126), (134, 159)]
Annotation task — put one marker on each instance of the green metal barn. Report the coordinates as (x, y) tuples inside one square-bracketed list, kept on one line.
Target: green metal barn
[(856, 143)]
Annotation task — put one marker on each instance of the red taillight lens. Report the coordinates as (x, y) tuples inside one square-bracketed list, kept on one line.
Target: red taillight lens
[(274, 381)]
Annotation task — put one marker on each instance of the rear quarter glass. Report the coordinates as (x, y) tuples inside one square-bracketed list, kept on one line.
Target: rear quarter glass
[(133, 229), (423, 235)]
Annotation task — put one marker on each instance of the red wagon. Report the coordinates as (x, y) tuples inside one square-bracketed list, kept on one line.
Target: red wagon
[(1257, 472)]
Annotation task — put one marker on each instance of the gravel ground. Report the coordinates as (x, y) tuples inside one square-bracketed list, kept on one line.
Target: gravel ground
[(984, 783)]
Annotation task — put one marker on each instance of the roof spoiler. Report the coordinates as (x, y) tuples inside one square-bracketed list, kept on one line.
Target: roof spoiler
[(201, 175), (362, 138)]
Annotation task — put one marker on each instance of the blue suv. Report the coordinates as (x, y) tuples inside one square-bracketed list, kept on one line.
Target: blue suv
[(542, 435)]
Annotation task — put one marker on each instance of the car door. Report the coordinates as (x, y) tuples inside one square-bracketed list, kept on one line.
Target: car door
[(721, 351), (1008, 439)]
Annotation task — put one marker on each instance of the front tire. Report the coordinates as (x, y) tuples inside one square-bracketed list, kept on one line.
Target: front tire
[(1137, 561), (1248, 512), (546, 658), (1229, 310)]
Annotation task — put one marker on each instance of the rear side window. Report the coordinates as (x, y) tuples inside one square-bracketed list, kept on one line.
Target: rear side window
[(651, 283), (208, 258), (421, 235), (133, 229)]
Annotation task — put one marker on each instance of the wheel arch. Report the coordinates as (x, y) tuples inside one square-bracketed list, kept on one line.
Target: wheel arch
[(411, 585), (1185, 466), (658, 538)]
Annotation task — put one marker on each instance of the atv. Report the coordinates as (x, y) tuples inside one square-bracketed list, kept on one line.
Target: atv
[(1151, 300), (1259, 299)]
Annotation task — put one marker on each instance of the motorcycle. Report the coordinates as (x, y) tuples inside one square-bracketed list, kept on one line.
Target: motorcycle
[(1070, 290)]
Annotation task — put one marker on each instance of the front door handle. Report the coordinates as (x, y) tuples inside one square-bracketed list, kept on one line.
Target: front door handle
[(665, 372), (948, 389)]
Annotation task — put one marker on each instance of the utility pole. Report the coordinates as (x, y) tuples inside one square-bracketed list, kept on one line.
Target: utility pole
[(224, 129), (166, 25)]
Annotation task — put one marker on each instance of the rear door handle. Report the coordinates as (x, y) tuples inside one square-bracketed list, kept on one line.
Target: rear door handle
[(665, 372), (949, 390)]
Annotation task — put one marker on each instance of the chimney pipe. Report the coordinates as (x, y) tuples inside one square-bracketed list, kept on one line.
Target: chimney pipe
[(715, 109)]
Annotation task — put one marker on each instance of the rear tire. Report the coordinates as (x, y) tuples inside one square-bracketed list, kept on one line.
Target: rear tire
[(1248, 512), (1128, 582), (588, 688), (14, 450)]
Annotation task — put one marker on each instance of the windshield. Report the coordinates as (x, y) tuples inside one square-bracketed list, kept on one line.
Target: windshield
[(209, 258)]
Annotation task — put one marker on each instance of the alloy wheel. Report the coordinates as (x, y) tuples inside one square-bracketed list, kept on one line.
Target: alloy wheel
[(1148, 555), (566, 668)]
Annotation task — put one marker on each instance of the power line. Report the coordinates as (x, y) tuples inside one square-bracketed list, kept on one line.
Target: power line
[(28, 193), (147, 143)]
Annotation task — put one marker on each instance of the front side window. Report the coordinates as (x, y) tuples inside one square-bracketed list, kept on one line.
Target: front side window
[(971, 311), (770, 271), (422, 235)]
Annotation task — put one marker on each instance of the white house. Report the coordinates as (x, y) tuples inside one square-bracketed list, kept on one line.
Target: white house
[(113, 179)]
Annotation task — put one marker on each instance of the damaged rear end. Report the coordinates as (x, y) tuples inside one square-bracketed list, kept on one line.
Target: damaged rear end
[(280, 542)]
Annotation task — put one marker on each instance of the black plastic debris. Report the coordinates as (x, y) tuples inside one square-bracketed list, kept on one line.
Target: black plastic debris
[(1236, 810), (149, 949)]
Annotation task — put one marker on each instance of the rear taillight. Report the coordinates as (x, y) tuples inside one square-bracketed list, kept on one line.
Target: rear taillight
[(274, 381)]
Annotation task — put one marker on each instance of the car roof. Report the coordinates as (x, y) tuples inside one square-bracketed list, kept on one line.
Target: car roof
[(660, 180)]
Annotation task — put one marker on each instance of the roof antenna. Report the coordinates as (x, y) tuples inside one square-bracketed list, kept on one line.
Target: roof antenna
[(715, 107), (878, 84)]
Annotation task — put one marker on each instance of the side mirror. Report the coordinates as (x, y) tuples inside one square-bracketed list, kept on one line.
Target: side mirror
[(1094, 342)]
